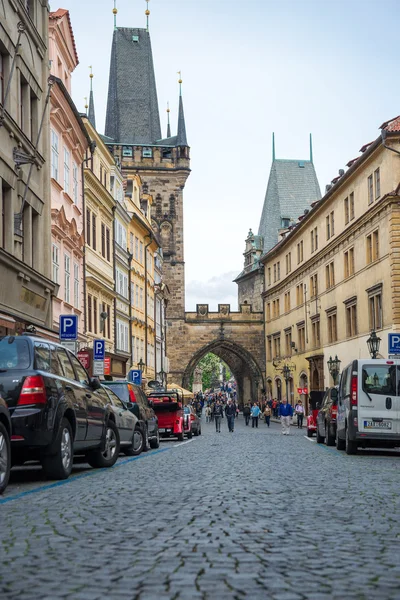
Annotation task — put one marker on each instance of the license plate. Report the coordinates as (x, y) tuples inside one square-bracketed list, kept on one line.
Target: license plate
[(161, 429), (377, 425)]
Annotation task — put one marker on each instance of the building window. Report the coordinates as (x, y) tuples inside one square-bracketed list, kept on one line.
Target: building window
[(67, 277), (351, 319), (131, 242), (56, 262), (269, 344), (346, 211), (299, 252), (75, 182), (54, 155), (288, 342), (137, 248), (316, 335), (121, 236), (349, 263), (94, 231), (372, 247), (332, 327), (274, 272), (370, 190), (66, 170), (89, 312), (103, 240), (141, 253), (301, 337), (314, 285), (330, 225), (95, 319), (137, 296), (88, 227), (122, 336), (288, 258), (76, 285), (299, 294), (269, 275), (2, 74), (108, 311), (351, 201), (141, 297), (277, 346), (122, 283), (108, 244), (377, 178), (287, 301), (330, 275), (269, 311), (375, 309)]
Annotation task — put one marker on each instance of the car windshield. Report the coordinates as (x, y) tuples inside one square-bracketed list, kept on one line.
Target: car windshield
[(379, 379), (121, 389), (14, 353)]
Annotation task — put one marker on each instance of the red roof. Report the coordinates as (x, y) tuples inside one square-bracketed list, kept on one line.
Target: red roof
[(58, 14), (392, 125)]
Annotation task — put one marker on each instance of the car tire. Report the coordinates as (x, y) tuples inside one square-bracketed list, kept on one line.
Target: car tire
[(340, 444), (309, 433), (197, 432), (320, 438), (146, 446), (351, 445), (329, 440), (180, 437), (5, 457), (189, 435), (155, 442), (101, 459), (59, 464), (136, 447)]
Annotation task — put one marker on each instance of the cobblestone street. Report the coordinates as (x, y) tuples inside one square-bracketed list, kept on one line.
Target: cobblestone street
[(251, 514)]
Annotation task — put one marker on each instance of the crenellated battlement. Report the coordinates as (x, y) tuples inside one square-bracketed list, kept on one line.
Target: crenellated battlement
[(245, 313)]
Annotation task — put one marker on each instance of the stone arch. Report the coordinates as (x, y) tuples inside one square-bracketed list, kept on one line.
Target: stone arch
[(244, 367)]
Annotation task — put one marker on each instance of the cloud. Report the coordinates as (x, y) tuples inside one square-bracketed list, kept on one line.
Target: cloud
[(220, 289)]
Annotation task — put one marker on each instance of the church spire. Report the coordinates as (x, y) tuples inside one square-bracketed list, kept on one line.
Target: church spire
[(273, 146), (115, 12), (91, 115), (147, 13), (168, 125), (311, 152), (181, 137)]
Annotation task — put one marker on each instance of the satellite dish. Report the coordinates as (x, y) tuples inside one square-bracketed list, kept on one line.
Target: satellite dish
[(153, 385)]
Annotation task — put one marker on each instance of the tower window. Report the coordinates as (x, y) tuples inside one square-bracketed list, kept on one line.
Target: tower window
[(147, 153), (126, 151)]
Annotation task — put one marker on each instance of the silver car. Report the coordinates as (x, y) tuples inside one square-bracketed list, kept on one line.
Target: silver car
[(132, 440)]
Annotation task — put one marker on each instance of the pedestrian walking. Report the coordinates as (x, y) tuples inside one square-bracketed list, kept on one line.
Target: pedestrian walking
[(207, 412), (275, 407), (246, 413), (230, 412), (285, 414), (255, 413), (218, 413), (299, 411), (267, 414)]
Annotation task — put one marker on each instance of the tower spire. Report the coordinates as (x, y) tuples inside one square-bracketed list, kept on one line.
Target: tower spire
[(168, 125), (86, 104), (311, 152), (273, 146), (115, 12), (147, 13), (91, 115), (181, 137)]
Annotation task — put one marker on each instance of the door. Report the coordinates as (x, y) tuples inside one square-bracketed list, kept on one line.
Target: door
[(95, 404), (122, 415), (378, 384), (324, 407), (73, 393)]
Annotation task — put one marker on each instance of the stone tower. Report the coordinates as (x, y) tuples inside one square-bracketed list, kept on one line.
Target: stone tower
[(156, 169)]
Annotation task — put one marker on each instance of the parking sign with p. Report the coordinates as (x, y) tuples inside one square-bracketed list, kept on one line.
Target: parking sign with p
[(68, 327), (99, 349)]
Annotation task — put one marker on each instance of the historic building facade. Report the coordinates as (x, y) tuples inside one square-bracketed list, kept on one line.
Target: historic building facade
[(27, 288), (68, 141), (332, 278)]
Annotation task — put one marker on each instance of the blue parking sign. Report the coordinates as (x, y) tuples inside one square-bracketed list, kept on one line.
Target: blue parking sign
[(135, 375), (394, 343), (68, 327), (99, 349)]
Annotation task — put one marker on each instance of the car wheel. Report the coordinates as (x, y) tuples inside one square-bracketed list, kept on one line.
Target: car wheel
[(320, 438), (180, 437), (59, 464), (309, 433), (108, 457), (155, 442), (340, 444), (351, 445), (146, 445), (189, 435), (329, 440), (137, 443), (5, 457), (199, 430)]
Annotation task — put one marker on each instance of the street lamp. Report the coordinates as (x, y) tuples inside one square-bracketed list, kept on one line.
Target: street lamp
[(373, 343), (334, 367), (103, 317), (287, 374), (141, 364), (161, 374)]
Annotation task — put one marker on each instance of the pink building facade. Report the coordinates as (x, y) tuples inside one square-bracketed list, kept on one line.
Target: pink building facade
[(68, 144)]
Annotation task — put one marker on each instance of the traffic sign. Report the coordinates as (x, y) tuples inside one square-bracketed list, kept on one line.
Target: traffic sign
[(71, 346), (98, 368), (68, 327), (84, 358), (107, 365), (135, 375), (394, 343), (99, 349)]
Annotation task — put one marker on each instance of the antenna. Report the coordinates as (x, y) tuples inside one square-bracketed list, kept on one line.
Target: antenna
[(180, 82), (147, 13), (311, 152), (115, 11), (273, 146)]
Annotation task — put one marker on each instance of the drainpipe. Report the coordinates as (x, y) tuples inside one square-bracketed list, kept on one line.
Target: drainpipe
[(114, 208), (130, 257), (155, 334), (85, 161), (145, 295), (384, 135)]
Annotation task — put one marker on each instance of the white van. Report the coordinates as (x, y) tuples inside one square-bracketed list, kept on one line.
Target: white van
[(369, 405)]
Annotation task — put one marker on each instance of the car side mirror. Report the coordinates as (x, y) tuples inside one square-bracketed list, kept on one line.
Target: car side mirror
[(129, 405), (95, 383), (334, 395)]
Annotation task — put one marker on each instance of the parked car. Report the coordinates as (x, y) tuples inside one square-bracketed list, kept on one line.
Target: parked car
[(130, 431), (141, 408), (171, 418), (314, 400), (5, 446), (369, 405), (194, 418), (326, 417), (55, 408)]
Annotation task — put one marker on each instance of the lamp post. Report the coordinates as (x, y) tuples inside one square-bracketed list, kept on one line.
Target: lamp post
[(334, 367), (373, 343), (161, 374), (287, 373), (141, 364)]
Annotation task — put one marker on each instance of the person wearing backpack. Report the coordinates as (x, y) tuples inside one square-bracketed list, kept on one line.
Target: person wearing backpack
[(230, 411), (246, 413), (267, 414), (218, 413)]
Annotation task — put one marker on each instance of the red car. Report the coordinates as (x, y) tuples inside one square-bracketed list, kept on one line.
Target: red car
[(314, 401), (168, 407)]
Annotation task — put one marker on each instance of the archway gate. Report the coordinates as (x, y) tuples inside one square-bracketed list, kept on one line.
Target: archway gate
[(236, 337)]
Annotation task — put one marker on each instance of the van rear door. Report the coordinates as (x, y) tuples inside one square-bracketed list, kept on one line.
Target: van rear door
[(378, 400)]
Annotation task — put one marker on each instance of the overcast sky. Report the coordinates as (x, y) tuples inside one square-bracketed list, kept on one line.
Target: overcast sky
[(250, 68)]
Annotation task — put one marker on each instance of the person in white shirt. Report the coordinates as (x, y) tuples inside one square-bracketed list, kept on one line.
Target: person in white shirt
[(300, 412)]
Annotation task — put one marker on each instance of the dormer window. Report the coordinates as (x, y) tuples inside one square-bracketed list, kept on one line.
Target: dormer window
[(127, 151), (147, 153), (285, 222)]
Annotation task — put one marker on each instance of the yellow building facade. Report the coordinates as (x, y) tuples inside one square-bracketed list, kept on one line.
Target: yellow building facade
[(332, 278)]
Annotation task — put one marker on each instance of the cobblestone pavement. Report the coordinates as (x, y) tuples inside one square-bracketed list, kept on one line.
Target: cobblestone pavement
[(252, 514)]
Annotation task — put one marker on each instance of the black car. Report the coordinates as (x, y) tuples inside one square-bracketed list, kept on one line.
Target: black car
[(5, 447), (327, 417), (142, 408), (55, 409)]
